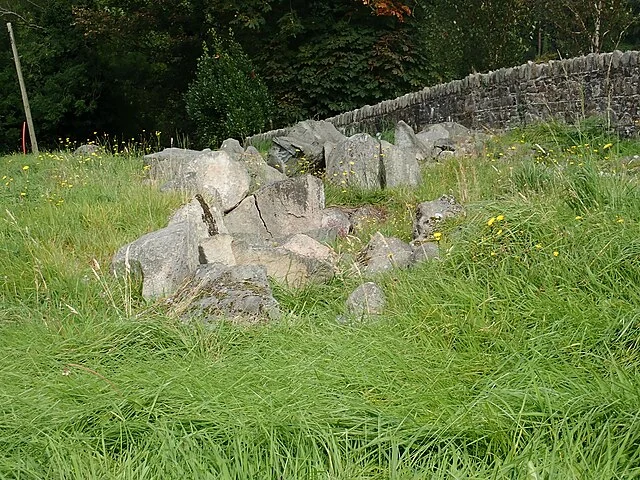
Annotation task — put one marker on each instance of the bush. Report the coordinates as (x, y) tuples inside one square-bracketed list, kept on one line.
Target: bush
[(226, 99)]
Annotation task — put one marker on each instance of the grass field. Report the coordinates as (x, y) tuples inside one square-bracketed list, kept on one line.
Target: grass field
[(514, 357)]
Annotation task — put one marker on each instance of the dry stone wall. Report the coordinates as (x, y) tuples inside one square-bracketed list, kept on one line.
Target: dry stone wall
[(606, 84)]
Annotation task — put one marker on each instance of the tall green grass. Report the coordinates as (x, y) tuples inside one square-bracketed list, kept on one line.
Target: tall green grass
[(514, 356)]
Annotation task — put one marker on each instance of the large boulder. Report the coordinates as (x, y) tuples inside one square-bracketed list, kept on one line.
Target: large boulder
[(399, 167), (211, 173), (246, 219), (233, 148), (293, 264), (217, 171), (335, 224), (166, 257), (170, 163), (436, 139), (302, 150), (217, 249), (238, 293), (260, 172), (406, 139), (450, 138), (291, 206), (203, 214), (428, 216), (356, 162)]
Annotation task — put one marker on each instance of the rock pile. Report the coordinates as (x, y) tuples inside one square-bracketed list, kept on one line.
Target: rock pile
[(247, 221)]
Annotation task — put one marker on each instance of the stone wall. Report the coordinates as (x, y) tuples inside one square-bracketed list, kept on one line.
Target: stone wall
[(605, 84)]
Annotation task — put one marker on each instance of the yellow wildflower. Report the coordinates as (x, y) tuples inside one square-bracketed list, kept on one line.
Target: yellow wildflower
[(26, 167), (556, 253), (491, 221), (437, 236), (499, 218), (608, 145)]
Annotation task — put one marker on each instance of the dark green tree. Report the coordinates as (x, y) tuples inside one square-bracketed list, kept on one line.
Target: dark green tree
[(60, 73), (578, 27), (320, 58), (226, 99)]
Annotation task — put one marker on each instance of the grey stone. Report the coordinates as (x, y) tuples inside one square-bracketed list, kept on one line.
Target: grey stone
[(185, 182), (217, 171), (291, 206), (203, 214), (447, 139), (164, 258), (406, 139), (260, 172), (90, 149), (430, 214), (238, 293), (302, 150), (336, 222), (217, 249), (434, 136), (457, 132), (400, 167), (367, 299), (245, 219), (233, 148), (425, 251), (355, 162), (170, 163), (290, 268), (385, 253), (307, 246)]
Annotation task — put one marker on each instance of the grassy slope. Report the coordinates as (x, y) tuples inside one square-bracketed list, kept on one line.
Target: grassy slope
[(515, 357)]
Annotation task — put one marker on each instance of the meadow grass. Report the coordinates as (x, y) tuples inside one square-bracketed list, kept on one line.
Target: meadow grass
[(514, 356)]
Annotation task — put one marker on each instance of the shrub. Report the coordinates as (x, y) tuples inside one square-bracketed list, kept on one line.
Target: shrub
[(226, 99)]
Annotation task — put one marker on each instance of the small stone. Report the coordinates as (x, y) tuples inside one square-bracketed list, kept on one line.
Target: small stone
[(367, 299), (385, 253), (87, 150), (430, 214), (424, 252)]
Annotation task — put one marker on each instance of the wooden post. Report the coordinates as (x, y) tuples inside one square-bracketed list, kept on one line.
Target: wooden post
[(23, 90)]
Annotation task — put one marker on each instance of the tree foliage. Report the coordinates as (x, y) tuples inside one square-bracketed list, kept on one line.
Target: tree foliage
[(60, 72), (575, 27), (122, 66), (226, 99), (389, 8)]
